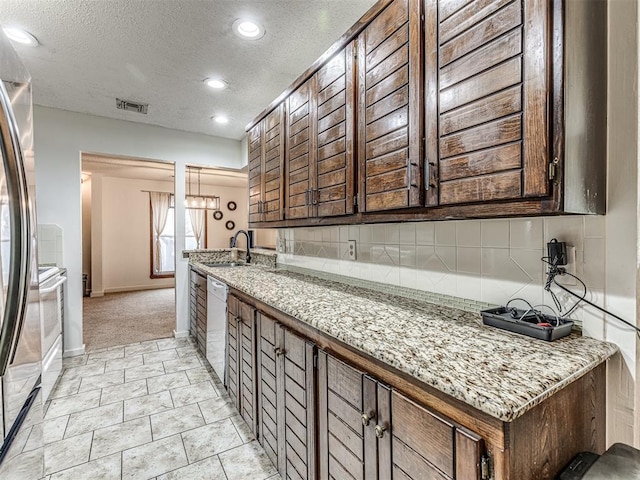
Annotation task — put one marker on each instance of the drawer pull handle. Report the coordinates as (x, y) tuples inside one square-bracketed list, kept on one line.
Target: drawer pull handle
[(278, 351), (380, 431), (367, 417)]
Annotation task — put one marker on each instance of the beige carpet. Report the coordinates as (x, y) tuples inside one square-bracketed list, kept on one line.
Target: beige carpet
[(122, 318)]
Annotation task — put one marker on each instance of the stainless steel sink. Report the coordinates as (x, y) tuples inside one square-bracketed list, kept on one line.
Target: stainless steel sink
[(225, 265)]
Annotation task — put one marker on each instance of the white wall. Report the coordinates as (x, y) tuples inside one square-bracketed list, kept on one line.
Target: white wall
[(61, 136), (86, 226), (217, 234), (126, 234)]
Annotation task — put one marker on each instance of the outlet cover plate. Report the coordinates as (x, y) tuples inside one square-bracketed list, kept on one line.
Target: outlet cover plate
[(351, 252)]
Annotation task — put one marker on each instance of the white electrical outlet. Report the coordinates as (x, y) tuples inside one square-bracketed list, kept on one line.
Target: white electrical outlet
[(352, 249), (570, 267)]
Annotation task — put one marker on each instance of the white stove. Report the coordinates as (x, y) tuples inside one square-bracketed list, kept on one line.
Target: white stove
[(51, 280)]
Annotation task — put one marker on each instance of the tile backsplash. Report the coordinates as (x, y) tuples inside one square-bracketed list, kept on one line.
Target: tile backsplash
[(486, 260), (50, 245)]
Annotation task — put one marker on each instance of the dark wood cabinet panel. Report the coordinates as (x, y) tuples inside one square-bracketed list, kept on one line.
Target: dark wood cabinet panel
[(341, 405), (254, 141), (266, 142), (198, 310), (334, 119), (286, 399), (492, 81), (246, 357), (300, 154), (241, 348), (389, 125), (233, 336)]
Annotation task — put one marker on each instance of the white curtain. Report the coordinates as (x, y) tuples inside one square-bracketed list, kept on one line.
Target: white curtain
[(160, 203), (197, 224)]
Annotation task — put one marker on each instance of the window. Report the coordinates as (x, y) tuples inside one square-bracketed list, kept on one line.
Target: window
[(165, 268), (163, 265), (190, 242)]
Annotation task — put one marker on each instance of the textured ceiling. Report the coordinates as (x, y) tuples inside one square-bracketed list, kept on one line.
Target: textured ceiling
[(159, 51)]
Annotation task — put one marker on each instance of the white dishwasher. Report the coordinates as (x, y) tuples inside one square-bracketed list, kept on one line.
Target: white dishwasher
[(217, 326)]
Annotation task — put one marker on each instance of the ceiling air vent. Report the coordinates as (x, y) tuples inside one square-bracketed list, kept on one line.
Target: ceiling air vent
[(132, 106)]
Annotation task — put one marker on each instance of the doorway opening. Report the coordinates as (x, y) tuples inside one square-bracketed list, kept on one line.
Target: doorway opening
[(128, 257)]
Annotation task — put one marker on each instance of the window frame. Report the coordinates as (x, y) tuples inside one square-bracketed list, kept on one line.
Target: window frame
[(152, 273)]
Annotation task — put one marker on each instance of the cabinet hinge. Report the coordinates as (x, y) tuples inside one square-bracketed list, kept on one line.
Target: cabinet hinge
[(485, 468), (355, 200), (553, 170)]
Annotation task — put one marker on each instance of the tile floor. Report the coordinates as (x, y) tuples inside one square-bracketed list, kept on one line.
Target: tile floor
[(150, 410)]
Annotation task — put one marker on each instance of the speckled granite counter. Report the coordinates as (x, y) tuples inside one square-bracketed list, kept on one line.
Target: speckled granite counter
[(497, 372)]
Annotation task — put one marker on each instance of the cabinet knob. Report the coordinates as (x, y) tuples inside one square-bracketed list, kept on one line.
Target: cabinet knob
[(380, 431), (367, 417)]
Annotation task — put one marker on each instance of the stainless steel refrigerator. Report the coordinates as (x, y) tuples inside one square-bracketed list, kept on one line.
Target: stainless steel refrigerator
[(21, 415)]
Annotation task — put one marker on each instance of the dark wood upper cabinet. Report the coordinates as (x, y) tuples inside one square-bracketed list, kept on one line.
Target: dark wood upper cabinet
[(300, 152), (321, 139), (493, 84), (334, 105), (440, 109), (254, 140), (266, 142), (389, 92)]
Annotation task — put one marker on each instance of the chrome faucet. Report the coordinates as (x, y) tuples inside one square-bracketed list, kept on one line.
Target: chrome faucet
[(235, 239)]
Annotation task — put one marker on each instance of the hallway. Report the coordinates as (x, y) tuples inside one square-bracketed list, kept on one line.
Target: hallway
[(128, 317)]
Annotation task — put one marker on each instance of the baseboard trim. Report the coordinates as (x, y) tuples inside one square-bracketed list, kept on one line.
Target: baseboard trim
[(96, 294), (183, 334), (136, 288), (74, 353)]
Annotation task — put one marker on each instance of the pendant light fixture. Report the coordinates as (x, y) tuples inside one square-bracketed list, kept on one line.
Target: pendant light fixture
[(199, 201)]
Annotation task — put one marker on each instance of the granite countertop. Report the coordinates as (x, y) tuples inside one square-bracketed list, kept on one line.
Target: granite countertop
[(497, 372)]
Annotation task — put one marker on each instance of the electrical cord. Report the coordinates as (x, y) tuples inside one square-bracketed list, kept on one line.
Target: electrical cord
[(555, 270)]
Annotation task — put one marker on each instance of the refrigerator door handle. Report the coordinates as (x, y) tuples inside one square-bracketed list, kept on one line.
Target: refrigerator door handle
[(19, 219)]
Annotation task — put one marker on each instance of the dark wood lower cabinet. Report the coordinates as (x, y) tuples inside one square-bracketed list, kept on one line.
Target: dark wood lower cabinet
[(241, 380), (286, 399), (198, 310), (322, 410), (368, 430)]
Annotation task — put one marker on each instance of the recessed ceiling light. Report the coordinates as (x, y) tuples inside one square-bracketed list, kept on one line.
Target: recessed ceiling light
[(248, 29), (220, 119), (20, 35), (216, 83)]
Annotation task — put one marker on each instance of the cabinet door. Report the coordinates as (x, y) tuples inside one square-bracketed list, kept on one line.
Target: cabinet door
[(269, 404), (273, 164), (340, 420), (193, 305), (254, 141), (201, 313), (389, 78), (493, 82), (286, 399), (335, 85), (246, 349), (300, 151), (233, 336), (298, 415), (417, 444)]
